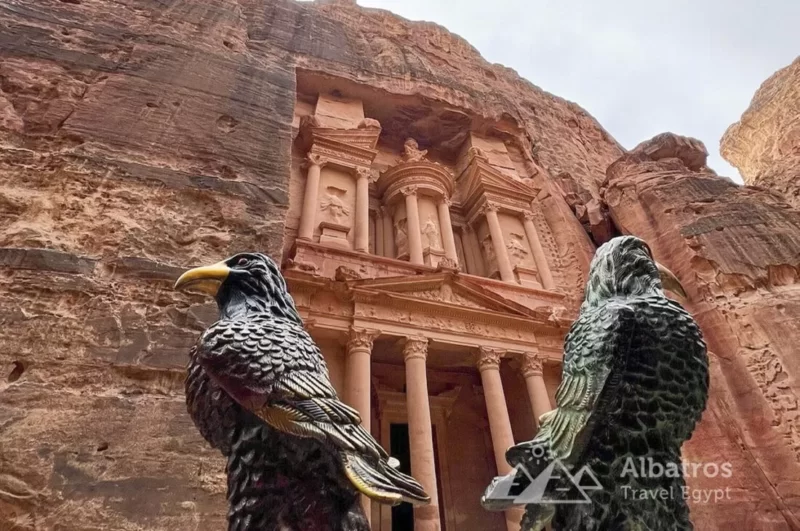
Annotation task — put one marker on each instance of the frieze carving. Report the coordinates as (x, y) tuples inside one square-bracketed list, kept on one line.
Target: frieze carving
[(415, 347), (444, 321), (531, 364), (445, 294), (489, 358), (447, 263), (361, 339), (411, 151)]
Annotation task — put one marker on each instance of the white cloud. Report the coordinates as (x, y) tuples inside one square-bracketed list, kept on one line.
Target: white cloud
[(640, 68)]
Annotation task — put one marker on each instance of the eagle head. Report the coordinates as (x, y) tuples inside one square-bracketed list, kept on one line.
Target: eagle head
[(625, 267), (246, 282)]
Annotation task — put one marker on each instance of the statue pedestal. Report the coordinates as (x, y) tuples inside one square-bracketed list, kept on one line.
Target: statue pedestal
[(334, 234), (527, 277), (432, 257)]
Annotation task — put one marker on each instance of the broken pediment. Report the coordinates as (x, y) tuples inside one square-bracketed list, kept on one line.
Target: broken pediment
[(481, 180)]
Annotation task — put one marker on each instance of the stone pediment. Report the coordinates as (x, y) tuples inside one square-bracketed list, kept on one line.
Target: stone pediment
[(480, 179), (443, 288)]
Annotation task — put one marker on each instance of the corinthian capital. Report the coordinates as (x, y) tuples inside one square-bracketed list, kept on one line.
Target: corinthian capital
[(489, 207), (361, 339), (416, 347), (529, 216), (489, 358), (364, 173), (315, 159), (409, 190), (531, 364)]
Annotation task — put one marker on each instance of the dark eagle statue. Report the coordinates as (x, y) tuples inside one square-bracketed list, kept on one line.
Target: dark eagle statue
[(258, 390), (634, 384)]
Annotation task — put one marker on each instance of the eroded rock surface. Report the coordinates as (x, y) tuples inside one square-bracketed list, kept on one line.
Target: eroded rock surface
[(765, 144), (139, 138), (737, 252)]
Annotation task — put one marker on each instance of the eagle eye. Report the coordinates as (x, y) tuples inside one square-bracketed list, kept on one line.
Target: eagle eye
[(242, 261)]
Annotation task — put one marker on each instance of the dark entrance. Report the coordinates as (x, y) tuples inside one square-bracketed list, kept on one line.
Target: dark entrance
[(403, 514)]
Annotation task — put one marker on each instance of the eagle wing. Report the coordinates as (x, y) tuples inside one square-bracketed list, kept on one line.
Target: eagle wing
[(275, 370), (595, 355)]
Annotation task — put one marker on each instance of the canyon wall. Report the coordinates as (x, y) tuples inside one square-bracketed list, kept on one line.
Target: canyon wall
[(765, 143), (737, 252), (139, 138)]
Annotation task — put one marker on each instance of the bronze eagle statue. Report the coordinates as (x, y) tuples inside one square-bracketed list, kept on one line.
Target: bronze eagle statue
[(258, 390), (634, 384)]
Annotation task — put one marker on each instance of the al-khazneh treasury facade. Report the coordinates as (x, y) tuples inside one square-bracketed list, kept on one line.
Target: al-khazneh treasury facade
[(426, 277)]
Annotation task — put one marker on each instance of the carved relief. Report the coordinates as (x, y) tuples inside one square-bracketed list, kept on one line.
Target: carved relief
[(333, 206), (489, 254), (445, 294), (516, 250), (411, 151), (401, 237), (431, 232)]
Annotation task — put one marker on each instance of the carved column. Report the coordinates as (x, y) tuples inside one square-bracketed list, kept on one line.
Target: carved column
[(537, 391), (306, 229), (538, 253), (420, 432), (362, 210), (499, 421), (412, 224), (357, 383), (388, 232), (448, 239), (357, 372), (498, 242)]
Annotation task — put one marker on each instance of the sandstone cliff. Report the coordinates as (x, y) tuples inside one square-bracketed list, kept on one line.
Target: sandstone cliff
[(142, 137), (737, 252), (765, 144)]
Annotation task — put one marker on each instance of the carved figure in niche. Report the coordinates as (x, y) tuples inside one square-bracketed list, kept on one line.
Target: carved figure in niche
[(515, 248), (488, 252), (333, 206), (474, 152), (431, 232), (412, 152), (401, 237)]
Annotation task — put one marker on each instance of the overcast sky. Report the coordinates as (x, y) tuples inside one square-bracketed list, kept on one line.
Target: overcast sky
[(639, 67)]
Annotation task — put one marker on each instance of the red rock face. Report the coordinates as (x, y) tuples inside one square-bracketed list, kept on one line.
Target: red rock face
[(765, 144), (143, 137), (736, 250)]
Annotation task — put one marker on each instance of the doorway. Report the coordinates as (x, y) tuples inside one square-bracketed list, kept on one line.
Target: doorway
[(403, 514)]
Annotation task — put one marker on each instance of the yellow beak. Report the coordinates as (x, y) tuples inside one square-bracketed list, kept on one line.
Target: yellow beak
[(206, 278), (670, 281)]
